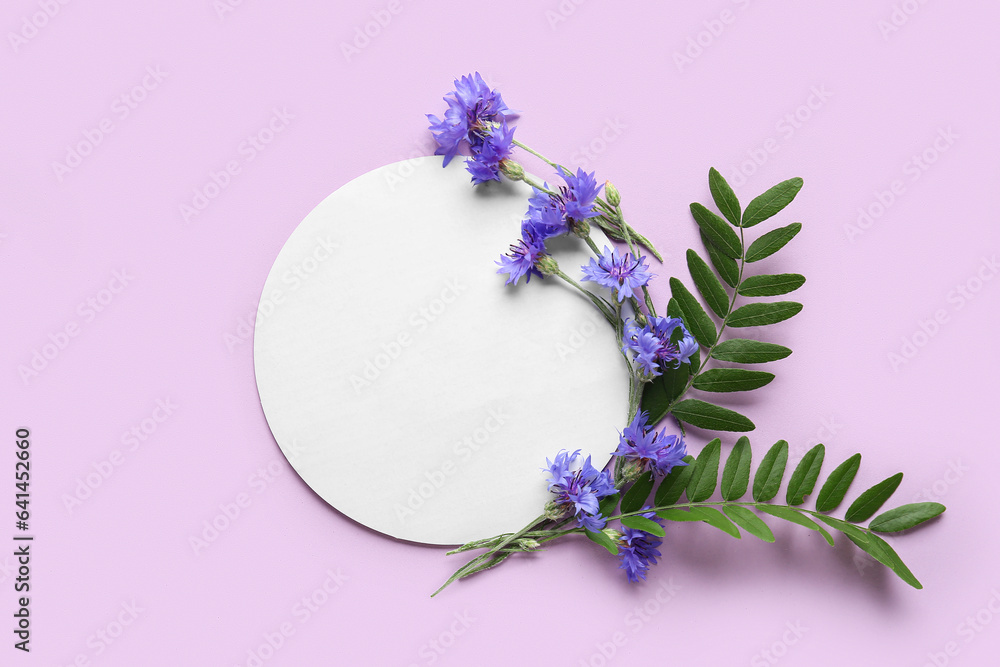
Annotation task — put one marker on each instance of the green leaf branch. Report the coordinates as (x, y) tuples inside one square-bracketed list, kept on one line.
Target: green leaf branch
[(728, 254), (699, 482)]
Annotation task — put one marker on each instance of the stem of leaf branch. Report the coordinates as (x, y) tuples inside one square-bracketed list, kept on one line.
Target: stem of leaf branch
[(722, 328), (546, 536)]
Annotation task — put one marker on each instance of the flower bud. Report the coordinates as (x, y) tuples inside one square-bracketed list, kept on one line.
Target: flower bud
[(611, 192), (581, 228), (528, 544), (512, 170), (547, 265), (610, 229), (555, 511), (631, 471), (613, 534)]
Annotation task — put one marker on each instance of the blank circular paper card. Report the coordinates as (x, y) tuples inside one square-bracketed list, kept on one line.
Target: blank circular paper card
[(405, 383)]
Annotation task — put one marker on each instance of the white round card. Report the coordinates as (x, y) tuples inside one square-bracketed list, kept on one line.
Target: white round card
[(405, 383)]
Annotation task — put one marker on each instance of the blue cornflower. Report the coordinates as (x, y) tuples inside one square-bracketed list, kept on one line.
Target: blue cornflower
[(649, 449), (546, 216), (661, 344), (523, 256), (579, 194), (553, 215), (623, 273), (580, 491), (637, 550), (472, 109), (488, 156)]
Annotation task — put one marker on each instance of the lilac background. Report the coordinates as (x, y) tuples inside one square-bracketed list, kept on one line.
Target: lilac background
[(593, 74)]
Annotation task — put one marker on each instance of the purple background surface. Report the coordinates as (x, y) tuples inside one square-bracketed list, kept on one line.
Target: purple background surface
[(859, 99)]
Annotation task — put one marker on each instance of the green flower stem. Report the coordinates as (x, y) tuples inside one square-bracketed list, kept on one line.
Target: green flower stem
[(649, 301), (614, 217), (547, 536), (538, 186), (491, 558), (725, 320), (639, 315), (635, 385), (601, 202), (537, 154), (628, 233), (593, 246), (600, 303)]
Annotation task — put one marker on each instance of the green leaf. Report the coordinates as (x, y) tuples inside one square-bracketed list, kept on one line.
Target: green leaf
[(827, 536), (726, 266), (673, 308), (789, 514), (767, 481), (772, 242), (880, 550), (644, 524), (872, 499), (759, 314), (771, 285), (694, 362), (705, 474), (709, 286), (731, 379), (805, 475), (635, 497), (714, 517), (736, 475), (749, 522), (711, 417), (695, 317), (905, 517), (677, 514), (746, 351), (608, 504), (837, 483), (848, 529), (673, 485), (658, 394), (724, 196), (772, 201), (600, 538), (718, 231)]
